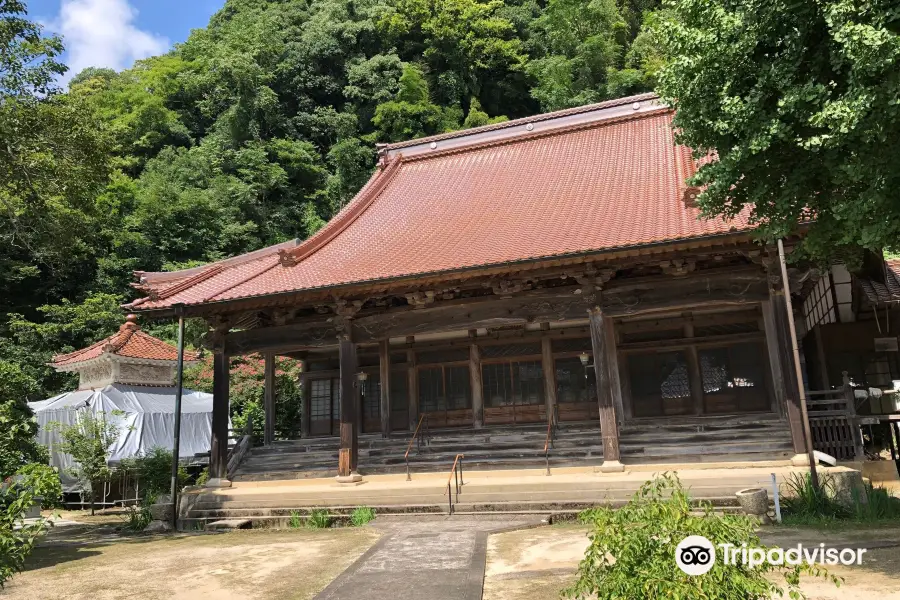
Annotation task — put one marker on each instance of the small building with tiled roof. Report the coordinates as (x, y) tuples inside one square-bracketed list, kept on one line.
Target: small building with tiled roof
[(127, 378), (129, 356), (552, 271)]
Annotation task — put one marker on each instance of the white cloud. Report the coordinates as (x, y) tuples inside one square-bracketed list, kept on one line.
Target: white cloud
[(101, 33)]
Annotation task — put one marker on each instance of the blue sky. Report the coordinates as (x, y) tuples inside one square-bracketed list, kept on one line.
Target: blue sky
[(115, 33)]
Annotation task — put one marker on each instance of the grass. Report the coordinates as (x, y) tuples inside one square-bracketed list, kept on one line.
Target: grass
[(319, 519), (805, 505), (362, 515), (296, 521)]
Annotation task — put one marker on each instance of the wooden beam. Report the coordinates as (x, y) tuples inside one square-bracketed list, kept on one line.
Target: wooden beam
[(609, 429), (269, 400), (284, 338), (218, 449), (348, 455), (477, 389), (549, 368), (384, 363)]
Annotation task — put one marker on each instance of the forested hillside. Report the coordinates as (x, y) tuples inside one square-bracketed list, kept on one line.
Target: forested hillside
[(256, 130)]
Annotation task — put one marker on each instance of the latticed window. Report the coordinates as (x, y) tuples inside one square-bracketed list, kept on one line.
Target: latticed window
[(660, 384), (444, 388), (371, 393), (575, 382), (513, 383), (324, 406), (733, 378)]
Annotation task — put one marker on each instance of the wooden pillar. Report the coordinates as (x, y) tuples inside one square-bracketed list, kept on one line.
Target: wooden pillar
[(609, 427), (549, 369), (384, 363), (349, 453), (269, 400), (693, 359), (475, 382), (218, 450), (788, 383), (612, 365), (412, 389), (304, 401)]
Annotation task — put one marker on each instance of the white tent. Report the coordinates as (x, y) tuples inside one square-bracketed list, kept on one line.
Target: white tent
[(148, 421)]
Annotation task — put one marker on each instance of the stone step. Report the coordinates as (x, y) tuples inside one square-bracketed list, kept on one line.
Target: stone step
[(228, 524)]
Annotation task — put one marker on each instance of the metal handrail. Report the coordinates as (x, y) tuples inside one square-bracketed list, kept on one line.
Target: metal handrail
[(547, 443), (409, 446), (457, 462)]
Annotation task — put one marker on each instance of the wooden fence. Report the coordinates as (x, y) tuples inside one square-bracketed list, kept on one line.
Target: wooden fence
[(833, 422)]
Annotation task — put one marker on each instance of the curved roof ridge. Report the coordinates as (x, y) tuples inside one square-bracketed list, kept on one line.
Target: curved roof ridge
[(536, 135), (356, 207), (523, 121)]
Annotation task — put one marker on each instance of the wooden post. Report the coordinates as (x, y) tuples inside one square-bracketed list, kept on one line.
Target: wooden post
[(612, 365), (348, 455), (609, 427), (269, 400), (384, 363), (549, 369), (412, 389), (788, 383), (304, 401), (859, 451), (475, 382), (218, 449)]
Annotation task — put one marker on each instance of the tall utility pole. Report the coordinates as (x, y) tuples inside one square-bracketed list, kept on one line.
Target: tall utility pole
[(789, 305), (179, 385)]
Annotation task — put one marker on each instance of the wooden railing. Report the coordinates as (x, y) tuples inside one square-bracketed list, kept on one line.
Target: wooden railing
[(455, 471), (416, 436), (833, 422), (240, 449)]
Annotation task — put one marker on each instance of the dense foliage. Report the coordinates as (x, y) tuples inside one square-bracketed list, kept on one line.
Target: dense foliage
[(632, 552), (799, 100), (255, 130)]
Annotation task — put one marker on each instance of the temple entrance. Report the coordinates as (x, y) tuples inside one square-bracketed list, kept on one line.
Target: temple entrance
[(324, 406), (513, 392)]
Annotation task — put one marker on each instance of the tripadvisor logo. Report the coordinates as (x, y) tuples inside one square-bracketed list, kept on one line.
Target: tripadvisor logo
[(696, 555)]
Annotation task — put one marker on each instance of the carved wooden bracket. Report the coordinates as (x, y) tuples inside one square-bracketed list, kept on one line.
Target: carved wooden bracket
[(508, 287), (346, 309), (678, 266), (420, 299)]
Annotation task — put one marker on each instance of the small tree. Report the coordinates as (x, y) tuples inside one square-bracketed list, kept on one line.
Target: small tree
[(17, 495), (632, 552), (88, 442)]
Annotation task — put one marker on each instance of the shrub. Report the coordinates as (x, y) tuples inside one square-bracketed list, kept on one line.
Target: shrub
[(45, 482), (632, 551), (362, 515), (154, 471), (203, 477), (319, 519), (88, 442), (18, 538)]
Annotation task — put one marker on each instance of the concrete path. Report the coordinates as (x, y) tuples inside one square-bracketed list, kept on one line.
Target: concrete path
[(437, 559)]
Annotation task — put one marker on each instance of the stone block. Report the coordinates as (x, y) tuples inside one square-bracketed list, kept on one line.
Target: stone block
[(848, 487)]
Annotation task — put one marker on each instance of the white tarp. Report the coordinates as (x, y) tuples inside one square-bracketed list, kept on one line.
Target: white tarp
[(148, 421)]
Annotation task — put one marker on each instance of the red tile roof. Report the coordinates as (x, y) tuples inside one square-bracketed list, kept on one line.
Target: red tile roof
[(129, 342), (608, 180)]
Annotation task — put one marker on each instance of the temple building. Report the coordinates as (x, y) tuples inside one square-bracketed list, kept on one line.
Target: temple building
[(551, 271)]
